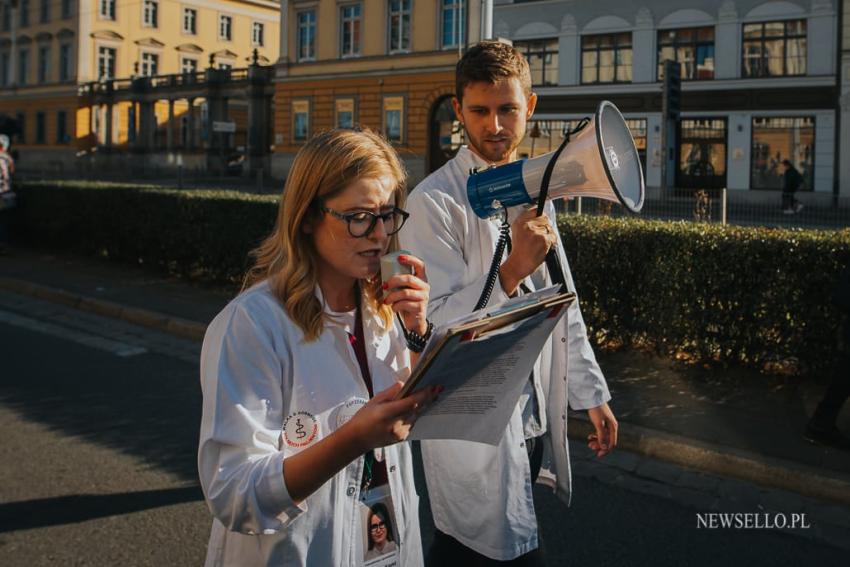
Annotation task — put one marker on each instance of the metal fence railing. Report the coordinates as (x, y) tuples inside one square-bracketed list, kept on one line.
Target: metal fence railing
[(728, 207)]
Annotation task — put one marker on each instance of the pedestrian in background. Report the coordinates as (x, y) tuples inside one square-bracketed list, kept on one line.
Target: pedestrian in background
[(7, 197), (791, 182), (301, 432)]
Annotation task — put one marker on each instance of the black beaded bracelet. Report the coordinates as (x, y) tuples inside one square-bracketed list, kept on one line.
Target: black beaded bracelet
[(416, 342)]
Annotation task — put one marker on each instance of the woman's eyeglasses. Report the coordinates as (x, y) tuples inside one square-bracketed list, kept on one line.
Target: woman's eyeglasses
[(378, 526), (362, 223)]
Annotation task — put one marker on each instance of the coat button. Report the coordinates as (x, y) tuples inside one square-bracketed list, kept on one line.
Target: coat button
[(563, 339), (350, 491), (392, 468)]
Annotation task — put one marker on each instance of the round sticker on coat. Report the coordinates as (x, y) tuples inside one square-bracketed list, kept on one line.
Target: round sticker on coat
[(347, 410), (300, 429)]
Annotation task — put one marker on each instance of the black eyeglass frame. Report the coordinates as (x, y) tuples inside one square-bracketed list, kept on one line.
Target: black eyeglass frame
[(348, 217)]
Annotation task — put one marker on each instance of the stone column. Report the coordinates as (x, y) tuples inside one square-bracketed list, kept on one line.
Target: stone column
[(108, 126), (169, 127), (190, 136)]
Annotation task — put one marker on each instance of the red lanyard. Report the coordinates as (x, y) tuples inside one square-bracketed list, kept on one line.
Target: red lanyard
[(358, 341)]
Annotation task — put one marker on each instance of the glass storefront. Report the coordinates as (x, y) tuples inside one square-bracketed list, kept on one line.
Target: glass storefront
[(779, 138), (702, 154)]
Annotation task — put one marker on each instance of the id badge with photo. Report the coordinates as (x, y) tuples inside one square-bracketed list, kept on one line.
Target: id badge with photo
[(381, 541)]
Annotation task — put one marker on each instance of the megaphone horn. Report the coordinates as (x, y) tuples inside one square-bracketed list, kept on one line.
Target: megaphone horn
[(600, 161)]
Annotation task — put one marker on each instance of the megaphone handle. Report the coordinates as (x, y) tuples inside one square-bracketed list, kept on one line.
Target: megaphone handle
[(547, 174), (553, 262), (556, 270)]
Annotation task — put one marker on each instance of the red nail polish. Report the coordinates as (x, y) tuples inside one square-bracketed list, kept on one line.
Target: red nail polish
[(385, 285), (403, 258)]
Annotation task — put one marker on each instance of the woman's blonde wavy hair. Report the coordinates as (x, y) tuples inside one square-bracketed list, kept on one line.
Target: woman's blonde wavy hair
[(327, 164)]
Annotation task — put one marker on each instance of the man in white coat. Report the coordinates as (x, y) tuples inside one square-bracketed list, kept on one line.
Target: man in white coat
[(481, 495)]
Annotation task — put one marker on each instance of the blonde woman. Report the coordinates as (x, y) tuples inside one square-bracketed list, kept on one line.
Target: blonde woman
[(300, 428)]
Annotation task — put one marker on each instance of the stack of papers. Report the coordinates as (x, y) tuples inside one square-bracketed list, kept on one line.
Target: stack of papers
[(483, 361)]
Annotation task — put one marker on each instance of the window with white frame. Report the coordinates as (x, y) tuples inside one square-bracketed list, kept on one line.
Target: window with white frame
[(107, 9), (307, 35), (23, 66), (225, 27), (64, 62), (188, 65), (349, 28), (542, 57), (300, 120), (606, 58), (190, 21), (452, 23), (150, 64), (257, 34), (399, 23), (394, 118), (344, 113), (43, 63), (4, 68), (150, 9), (105, 63), (774, 49), (41, 127), (62, 127)]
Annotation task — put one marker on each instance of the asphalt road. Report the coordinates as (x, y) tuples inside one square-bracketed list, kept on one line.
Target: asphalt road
[(99, 426)]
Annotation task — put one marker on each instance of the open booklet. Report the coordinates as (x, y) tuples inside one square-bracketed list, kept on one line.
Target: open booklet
[(483, 361)]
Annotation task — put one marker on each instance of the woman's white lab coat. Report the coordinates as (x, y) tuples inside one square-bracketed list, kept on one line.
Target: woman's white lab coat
[(269, 394)]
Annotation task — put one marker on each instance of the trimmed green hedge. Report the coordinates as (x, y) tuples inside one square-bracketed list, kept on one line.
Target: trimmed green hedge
[(754, 296), (701, 292), (201, 234)]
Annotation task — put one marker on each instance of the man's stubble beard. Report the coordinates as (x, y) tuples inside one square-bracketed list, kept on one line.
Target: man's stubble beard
[(471, 141)]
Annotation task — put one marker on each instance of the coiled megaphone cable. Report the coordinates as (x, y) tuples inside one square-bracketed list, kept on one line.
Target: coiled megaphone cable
[(553, 262)]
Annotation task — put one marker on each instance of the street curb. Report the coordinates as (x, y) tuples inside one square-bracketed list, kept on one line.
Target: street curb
[(724, 461), (176, 326), (704, 457)]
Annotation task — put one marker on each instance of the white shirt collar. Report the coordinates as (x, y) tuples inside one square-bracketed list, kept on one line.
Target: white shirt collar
[(468, 159)]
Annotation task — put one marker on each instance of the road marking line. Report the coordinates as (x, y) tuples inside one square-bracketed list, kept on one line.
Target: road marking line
[(115, 347)]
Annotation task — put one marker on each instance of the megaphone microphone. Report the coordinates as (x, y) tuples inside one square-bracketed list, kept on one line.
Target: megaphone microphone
[(601, 161), (598, 160)]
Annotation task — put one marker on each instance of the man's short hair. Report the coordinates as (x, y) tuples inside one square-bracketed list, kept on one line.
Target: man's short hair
[(491, 62), (786, 163)]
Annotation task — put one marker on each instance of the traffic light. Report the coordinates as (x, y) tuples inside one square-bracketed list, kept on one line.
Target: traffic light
[(671, 98)]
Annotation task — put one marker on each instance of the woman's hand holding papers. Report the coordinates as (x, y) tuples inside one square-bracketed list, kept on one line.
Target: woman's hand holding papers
[(384, 420)]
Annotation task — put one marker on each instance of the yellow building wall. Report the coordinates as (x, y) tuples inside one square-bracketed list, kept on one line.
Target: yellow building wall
[(424, 23), (420, 91), (128, 24), (78, 30)]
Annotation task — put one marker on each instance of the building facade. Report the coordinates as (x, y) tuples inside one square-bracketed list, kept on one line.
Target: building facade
[(50, 48), (762, 80), (383, 64), (760, 83)]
